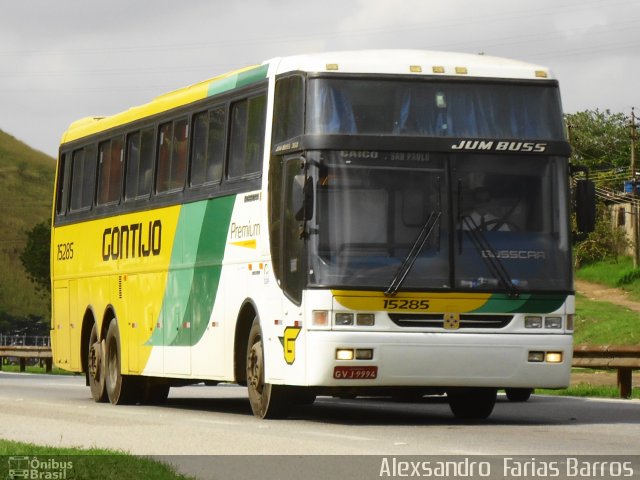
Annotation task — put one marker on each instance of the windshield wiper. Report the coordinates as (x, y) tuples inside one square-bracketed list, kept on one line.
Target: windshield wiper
[(412, 256), (488, 254)]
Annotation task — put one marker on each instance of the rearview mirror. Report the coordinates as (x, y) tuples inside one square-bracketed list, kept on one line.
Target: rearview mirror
[(585, 206)]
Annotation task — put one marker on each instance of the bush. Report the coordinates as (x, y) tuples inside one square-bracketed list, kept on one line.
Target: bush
[(605, 242)]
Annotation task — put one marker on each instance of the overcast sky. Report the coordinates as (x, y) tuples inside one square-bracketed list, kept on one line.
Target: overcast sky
[(66, 59)]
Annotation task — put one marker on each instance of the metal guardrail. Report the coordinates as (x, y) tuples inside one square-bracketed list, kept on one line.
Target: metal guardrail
[(623, 358), (18, 339), (22, 353)]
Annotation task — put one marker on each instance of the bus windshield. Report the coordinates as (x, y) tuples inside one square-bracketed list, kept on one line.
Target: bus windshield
[(471, 109), (490, 210)]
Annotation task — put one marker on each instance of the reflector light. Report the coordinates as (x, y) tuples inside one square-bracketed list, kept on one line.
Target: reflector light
[(461, 70), (541, 74), (570, 321), (332, 66), (415, 69)]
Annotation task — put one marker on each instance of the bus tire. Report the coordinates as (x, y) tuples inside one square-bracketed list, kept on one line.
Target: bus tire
[(267, 400), (121, 389), (95, 367), (472, 403), (518, 394)]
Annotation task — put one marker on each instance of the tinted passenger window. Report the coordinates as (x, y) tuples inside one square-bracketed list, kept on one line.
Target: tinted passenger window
[(208, 147), (61, 187), (248, 118), (172, 155), (139, 164), (83, 175), (110, 157)]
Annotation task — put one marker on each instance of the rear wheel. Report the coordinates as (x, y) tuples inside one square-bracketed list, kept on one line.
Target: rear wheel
[(267, 400), (472, 403), (95, 367), (121, 389)]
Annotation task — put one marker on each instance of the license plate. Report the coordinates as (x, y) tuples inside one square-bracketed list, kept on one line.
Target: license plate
[(355, 373)]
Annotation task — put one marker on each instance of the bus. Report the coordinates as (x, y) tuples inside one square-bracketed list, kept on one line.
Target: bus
[(385, 223)]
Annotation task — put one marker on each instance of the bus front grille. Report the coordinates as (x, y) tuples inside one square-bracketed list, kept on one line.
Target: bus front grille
[(436, 320)]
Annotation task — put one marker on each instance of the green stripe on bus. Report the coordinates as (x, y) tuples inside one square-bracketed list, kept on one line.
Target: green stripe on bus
[(194, 272), (525, 303), (238, 80)]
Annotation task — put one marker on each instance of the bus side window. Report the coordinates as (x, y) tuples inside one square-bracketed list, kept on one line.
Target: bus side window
[(62, 187), (139, 164), (246, 146), (288, 115), (172, 155), (208, 147), (83, 178), (110, 171)]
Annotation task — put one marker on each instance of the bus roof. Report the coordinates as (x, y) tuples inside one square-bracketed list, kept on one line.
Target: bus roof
[(399, 62)]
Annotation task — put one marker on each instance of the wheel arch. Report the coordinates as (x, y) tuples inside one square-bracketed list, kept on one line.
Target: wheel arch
[(88, 320), (247, 314)]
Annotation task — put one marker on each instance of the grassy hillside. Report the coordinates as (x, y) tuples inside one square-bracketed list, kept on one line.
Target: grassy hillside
[(26, 189)]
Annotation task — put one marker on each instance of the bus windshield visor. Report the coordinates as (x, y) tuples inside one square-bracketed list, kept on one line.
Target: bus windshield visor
[(431, 108)]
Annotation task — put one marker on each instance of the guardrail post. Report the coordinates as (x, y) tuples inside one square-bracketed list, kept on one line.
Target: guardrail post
[(23, 364), (49, 364), (624, 382)]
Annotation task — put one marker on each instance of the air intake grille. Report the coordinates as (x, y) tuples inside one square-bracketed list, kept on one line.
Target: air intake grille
[(436, 320)]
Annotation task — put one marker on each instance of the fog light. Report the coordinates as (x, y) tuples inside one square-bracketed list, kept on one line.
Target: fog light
[(343, 319), (344, 354), (365, 319), (320, 318), (553, 322), (532, 322), (554, 357), (364, 353), (536, 356)]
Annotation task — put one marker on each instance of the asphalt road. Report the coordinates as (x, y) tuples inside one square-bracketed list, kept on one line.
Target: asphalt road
[(199, 420)]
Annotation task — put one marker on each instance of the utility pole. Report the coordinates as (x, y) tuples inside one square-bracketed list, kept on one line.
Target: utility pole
[(635, 199)]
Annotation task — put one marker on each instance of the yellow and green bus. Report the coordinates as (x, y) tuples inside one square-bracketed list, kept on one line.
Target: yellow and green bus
[(348, 223)]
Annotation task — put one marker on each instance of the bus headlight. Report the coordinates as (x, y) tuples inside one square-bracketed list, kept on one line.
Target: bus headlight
[(365, 319), (532, 322), (343, 319), (344, 354), (553, 322), (553, 357)]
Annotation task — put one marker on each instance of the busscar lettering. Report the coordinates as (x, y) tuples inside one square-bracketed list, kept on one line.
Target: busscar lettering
[(137, 240)]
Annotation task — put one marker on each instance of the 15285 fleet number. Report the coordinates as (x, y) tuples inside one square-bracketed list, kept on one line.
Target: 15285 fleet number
[(405, 304)]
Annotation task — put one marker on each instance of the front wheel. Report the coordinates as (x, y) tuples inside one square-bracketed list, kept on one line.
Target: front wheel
[(518, 394), (472, 403), (267, 400)]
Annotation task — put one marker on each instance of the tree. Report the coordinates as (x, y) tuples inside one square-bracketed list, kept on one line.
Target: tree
[(599, 139), (35, 257)]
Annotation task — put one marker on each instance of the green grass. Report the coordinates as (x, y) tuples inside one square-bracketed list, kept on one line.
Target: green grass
[(88, 464), (615, 273), (602, 323), (26, 192), (587, 390)]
